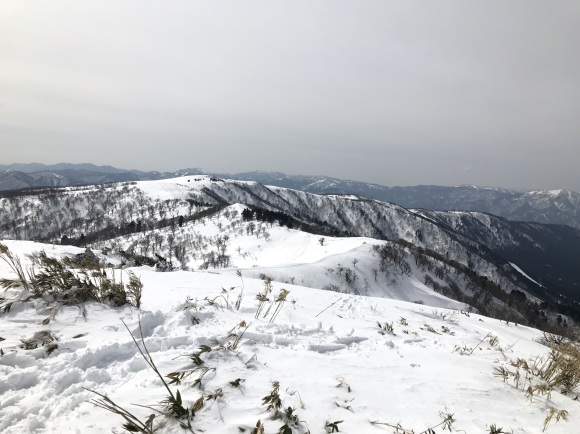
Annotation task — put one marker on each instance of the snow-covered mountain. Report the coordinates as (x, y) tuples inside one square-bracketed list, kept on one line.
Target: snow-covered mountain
[(35, 175), (478, 260), (545, 206), (219, 306)]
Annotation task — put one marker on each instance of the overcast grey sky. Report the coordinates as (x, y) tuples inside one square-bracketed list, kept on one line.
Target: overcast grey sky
[(392, 92)]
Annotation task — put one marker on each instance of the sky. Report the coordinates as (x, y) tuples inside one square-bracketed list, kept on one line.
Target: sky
[(391, 92)]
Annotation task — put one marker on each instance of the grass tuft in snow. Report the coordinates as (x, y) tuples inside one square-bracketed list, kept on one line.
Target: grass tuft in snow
[(386, 328), (468, 351), (172, 405), (342, 383), (291, 422), (333, 426), (264, 300), (274, 405), (493, 429), (235, 336), (558, 371), (132, 423), (241, 293), (259, 429), (23, 278), (43, 338), (273, 400), (66, 282), (263, 297), (554, 413)]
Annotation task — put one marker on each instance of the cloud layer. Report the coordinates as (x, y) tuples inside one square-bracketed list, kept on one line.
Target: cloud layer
[(391, 92)]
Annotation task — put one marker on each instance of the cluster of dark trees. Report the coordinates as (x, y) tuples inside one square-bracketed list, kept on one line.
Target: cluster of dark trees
[(267, 216), (315, 226), (392, 255)]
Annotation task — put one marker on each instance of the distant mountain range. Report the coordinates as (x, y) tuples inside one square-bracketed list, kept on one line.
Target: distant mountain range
[(35, 175), (545, 206)]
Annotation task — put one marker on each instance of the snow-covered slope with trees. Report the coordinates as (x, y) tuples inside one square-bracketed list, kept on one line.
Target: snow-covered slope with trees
[(544, 206), (167, 218)]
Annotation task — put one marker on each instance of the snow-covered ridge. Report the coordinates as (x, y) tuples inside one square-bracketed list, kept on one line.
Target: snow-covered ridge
[(461, 236), (553, 206), (557, 206)]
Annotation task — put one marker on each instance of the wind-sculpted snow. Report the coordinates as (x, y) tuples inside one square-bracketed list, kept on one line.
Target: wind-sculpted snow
[(336, 357)]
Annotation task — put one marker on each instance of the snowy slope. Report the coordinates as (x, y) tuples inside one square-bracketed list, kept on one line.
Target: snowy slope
[(143, 217), (291, 256), (332, 361)]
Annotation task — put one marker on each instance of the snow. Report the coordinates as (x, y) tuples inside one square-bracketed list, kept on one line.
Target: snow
[(554, 193), (325, 349), (175, 188), (519, 270), (292, 256)]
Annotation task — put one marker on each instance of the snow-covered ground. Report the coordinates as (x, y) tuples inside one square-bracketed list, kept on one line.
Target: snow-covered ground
[(330, 352), (294, 257)]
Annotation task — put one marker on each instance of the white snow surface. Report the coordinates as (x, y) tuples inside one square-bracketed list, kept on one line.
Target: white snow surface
[(325, 349), (522, 272), (292, 256)]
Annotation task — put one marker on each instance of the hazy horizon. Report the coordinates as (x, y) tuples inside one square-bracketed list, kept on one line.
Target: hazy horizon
[(215, 172), (445, 93)]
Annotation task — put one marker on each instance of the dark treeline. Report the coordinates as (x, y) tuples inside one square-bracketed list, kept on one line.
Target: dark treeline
[(136, 227), (35, 191), (317, 227)]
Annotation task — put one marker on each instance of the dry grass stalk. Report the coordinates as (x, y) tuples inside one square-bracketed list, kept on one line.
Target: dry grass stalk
[(386, 328), (428, 328), (446, 423), (68, 282), (241, 294), (273, 400), (132, 423), (43, 338), (259, 429), (263, 297), (554, 413), (172, 405), (333, 426)]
